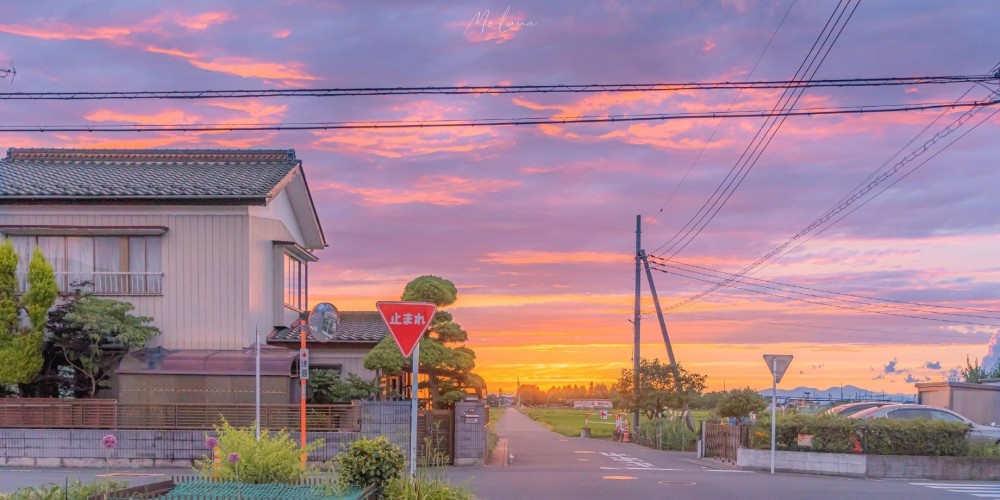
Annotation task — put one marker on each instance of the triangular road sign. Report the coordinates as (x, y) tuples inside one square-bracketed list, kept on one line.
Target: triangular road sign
[(778, 363), (407, 321)]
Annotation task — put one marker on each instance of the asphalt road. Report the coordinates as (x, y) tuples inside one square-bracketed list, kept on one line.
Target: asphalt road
[(549, 466)]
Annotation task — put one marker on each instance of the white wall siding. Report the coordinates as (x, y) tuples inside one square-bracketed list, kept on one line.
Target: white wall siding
[(350, 361), (266, 297), (205, 302)]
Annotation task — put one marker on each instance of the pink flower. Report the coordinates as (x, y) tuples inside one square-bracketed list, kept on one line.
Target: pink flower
[(234, 457), (110, 441), (211, 442)]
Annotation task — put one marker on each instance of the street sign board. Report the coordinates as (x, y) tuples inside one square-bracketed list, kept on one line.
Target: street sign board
[(304, 364), (604, 414), (778, 363), (323, 322), (407, 321)]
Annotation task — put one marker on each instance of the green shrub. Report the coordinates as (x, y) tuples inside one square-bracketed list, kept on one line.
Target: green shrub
[(370, 462), (879, 436), (276, 458), (740, 403), (666, 434), (76, 490), (424, 488)]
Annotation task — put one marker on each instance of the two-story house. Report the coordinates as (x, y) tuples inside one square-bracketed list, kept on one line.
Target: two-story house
[(214, 245)]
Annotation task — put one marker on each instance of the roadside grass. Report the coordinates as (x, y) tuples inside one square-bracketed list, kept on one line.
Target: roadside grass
[(495, 415), (569, 421)]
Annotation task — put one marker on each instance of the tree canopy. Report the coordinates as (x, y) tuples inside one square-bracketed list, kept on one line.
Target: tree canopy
[(657, 388), (444, 358), (21, 342)]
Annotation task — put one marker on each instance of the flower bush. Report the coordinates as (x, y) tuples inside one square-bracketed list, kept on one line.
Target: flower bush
[(370, 462), (276, 458)]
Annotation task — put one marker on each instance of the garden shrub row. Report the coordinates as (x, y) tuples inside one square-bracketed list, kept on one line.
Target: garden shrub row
[(834, 434)]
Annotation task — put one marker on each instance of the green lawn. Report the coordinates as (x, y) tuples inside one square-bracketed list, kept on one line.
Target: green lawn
[(569, 421)]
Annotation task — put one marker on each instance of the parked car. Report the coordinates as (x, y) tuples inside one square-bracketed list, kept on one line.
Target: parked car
[(848, 409), (977, 434)]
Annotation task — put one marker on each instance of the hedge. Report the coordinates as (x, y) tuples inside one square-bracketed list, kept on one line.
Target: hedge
[(835, 434)]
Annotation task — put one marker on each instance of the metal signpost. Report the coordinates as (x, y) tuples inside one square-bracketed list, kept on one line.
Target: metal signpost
[(407, 321), (321, 323), (777, 363)]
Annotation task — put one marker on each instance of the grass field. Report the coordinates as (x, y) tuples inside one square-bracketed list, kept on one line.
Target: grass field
[(495, 415), (569, 421)]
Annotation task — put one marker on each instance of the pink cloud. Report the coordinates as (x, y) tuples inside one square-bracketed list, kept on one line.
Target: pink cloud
[(433, 190), (709, 45), (204, 20), (65, 31), (285, 33)]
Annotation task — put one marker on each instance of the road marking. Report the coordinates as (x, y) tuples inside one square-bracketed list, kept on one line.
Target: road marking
[(129, 474), (584, 451), (637, 468), (583, 460), (623, 458), (728, 470), (620, 477), (981, 490)]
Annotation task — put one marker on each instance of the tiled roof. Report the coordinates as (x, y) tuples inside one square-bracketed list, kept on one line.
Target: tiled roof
[(156, 174), (363, 327)]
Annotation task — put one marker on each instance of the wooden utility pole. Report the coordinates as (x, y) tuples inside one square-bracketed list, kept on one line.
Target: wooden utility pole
[(635, 323)]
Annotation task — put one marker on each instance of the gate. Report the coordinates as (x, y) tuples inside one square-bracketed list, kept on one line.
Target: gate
[(722, 441)]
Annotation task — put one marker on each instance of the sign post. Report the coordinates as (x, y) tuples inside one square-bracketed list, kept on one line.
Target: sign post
[(777, 363), (321, 323), (407, 321)]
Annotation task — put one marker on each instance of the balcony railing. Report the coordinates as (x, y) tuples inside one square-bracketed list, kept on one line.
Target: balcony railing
[(104, 283)]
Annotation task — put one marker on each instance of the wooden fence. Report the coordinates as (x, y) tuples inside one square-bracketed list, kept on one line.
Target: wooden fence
[(44, 413), (722, 441)]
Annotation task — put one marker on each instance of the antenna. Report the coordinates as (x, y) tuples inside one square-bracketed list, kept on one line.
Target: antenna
[(4, 72)]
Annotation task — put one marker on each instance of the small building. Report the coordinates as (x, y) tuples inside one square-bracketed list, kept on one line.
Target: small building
[(593, 404), (978, 402)]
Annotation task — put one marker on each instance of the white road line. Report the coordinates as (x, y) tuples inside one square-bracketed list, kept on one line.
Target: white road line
[(728, 470), (979, 490), (637, 468)]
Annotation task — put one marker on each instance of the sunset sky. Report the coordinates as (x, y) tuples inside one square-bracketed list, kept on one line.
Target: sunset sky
[(535, 224)]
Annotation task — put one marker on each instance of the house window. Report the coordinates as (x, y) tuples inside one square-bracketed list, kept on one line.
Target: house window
[(295, 283), (107, 265)]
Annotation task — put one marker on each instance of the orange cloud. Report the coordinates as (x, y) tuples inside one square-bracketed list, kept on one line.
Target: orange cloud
[(522, 257), (204, 20), (250, 68), (63, 31), (107, 115), (170, 52), (252, 107), (434, 190)]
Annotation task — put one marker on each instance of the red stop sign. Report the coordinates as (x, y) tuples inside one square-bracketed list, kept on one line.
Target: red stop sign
[(407, 321)]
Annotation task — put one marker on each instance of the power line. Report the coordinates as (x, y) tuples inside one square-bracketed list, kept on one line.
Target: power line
[(729, 283), (500, 89), (854, 298), (762, 139), (491, 122), (798, 326), (719, 123), (858, 194)]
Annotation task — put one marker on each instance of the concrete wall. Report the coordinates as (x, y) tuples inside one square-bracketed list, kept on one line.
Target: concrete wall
[(136, 448), (872, 466)]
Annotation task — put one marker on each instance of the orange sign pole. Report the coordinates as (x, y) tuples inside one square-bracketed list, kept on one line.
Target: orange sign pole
[(302, 392)]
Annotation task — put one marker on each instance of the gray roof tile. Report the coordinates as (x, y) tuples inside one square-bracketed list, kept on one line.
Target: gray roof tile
[(363, 327), (159, 174)]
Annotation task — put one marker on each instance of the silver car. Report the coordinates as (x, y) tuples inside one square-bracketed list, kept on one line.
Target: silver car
[(848, 409), (977, 434)]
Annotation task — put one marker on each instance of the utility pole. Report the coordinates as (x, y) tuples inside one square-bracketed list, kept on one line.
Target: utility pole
[(635, 323)]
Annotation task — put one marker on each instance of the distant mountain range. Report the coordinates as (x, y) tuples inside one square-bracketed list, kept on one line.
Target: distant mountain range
[(837, 393)]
